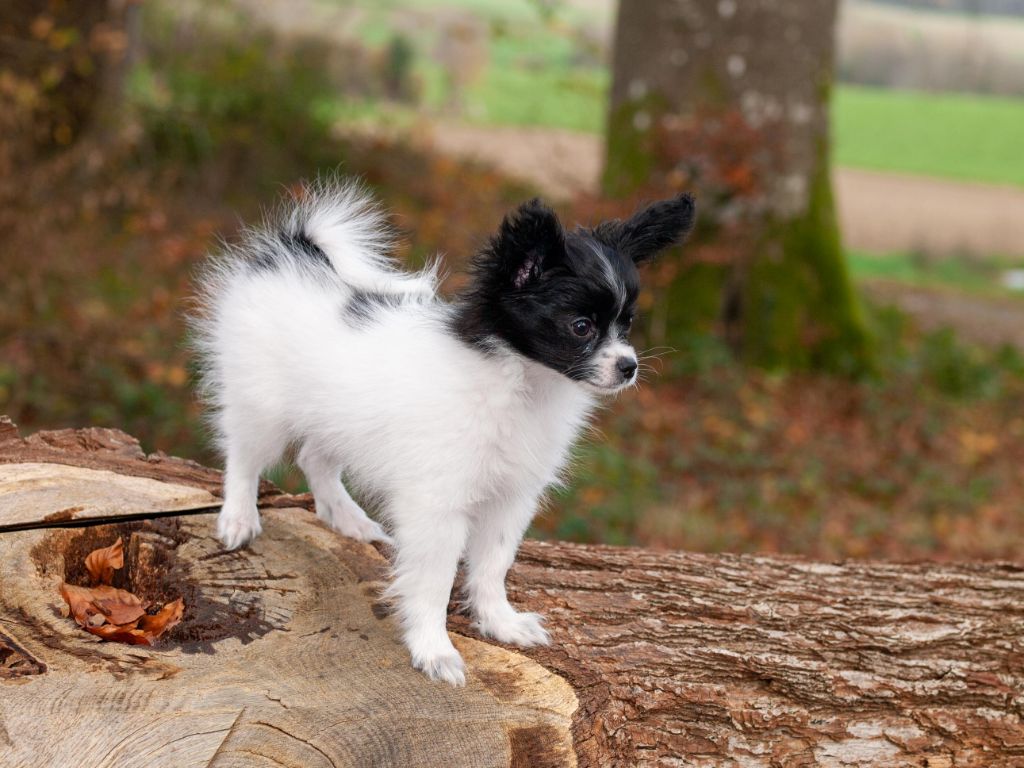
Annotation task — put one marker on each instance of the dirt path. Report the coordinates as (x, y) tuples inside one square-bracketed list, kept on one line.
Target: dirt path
[(987, 321), (561, 163), (878, 211), (894, 212)]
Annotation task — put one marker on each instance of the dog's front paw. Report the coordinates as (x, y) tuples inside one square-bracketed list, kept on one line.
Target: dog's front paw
[(514, 628), (236, 531), (447, 667)]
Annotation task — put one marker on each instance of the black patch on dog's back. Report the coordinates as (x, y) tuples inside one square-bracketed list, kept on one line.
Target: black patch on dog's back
[(364, 306), (269, 252), (301, 245)]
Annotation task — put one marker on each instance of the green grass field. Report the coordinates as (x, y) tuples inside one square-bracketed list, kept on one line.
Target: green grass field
[(957, 136), (979, 277)]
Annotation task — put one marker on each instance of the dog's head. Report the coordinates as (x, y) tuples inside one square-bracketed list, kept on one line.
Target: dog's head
[(567, 298)]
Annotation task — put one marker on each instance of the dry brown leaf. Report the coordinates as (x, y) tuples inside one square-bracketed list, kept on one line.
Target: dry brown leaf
[(101, 563), (117, 615), (79, 600), (113, 633), (119, 606), (114, 606), (163, 620), (146, 630)]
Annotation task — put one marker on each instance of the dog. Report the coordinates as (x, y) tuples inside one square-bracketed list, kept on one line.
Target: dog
[(453, 416)]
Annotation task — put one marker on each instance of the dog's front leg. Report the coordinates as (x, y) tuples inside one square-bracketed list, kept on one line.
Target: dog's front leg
[(429, 540), (493, 542)]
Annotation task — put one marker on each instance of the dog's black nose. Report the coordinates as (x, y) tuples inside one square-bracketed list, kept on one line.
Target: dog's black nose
[(626, 366)]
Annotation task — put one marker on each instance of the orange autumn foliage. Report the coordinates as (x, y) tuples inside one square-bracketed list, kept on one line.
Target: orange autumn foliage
[(102, 563), (112, 614)]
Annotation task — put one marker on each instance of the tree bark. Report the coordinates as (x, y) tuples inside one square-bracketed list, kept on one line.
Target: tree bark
[(286, 656), (730, 99)]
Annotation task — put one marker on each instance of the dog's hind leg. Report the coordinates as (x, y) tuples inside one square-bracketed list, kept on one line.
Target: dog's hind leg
[(334, 505), (250, 448)]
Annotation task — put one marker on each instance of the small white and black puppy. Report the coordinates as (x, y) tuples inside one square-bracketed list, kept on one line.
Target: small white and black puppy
[(454, 416)]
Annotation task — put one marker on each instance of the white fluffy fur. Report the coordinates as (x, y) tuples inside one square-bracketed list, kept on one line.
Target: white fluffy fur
[(457, 444)]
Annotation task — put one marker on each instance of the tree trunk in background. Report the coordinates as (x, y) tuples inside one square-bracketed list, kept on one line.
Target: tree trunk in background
[(730, 99)]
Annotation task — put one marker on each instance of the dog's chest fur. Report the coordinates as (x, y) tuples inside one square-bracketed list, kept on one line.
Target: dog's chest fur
[(525, 421)]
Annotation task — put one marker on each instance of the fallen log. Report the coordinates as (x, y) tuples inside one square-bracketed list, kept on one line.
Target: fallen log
[(287, 657)]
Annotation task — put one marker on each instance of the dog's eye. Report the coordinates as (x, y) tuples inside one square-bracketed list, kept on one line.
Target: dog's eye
[(582, 326)]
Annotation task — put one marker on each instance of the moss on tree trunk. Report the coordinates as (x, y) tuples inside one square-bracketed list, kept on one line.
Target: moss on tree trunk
[(800, 310)]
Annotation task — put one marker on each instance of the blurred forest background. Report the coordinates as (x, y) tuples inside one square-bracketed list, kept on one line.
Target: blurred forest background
[(858, 397)]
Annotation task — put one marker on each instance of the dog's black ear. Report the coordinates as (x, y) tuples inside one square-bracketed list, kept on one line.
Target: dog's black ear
[(530, 241), (651, 229)]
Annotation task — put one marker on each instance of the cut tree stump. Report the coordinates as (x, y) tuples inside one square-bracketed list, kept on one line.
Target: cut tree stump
[(287, 657)]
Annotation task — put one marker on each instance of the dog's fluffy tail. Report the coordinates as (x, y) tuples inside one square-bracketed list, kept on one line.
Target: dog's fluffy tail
[(341, 222), (332, 233)]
